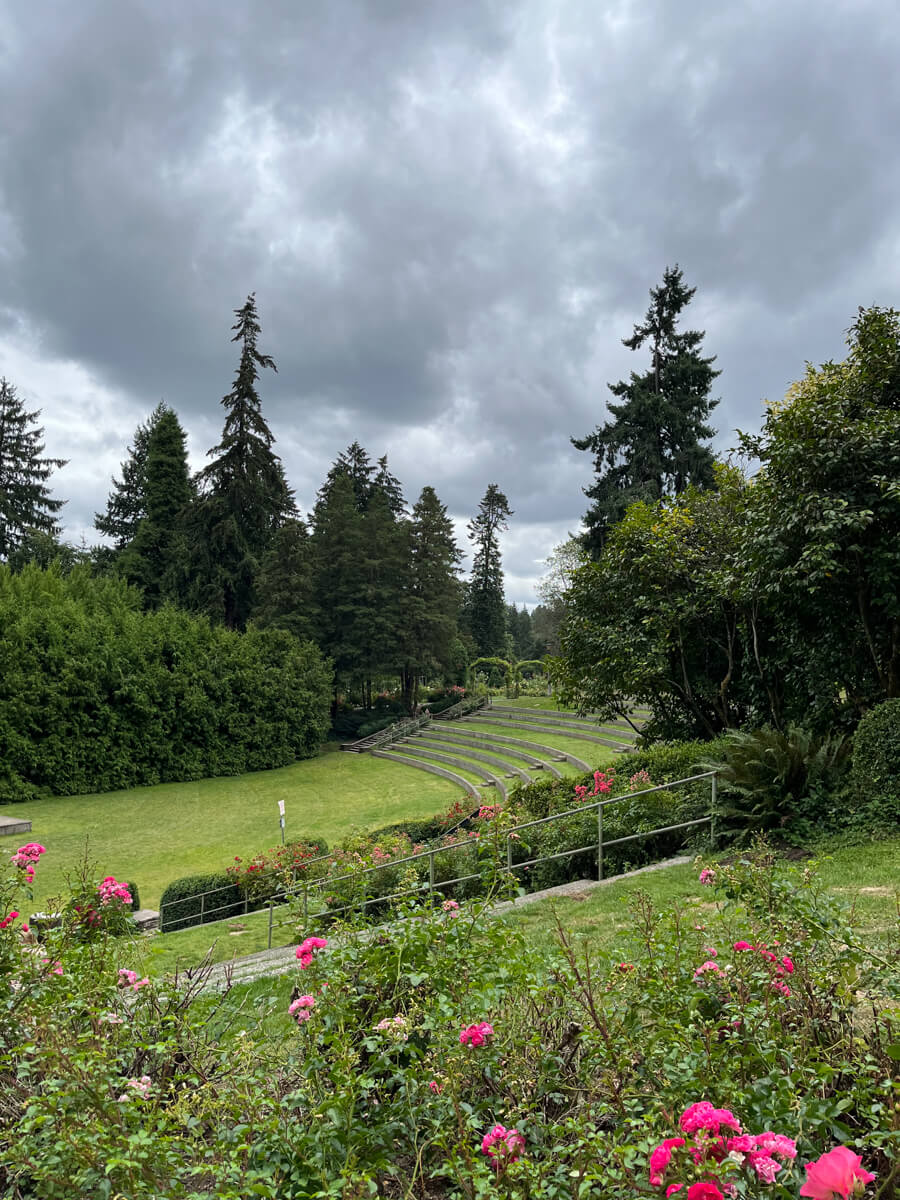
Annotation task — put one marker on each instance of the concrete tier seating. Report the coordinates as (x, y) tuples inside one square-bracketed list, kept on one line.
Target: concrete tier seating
[(463, 737), (408, 761), (544, 750), (482, 718), (452, 760), (509, 769)]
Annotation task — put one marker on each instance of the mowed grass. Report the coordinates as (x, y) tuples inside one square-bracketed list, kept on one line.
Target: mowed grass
[(593, 753), (866, 878), (156, 834)]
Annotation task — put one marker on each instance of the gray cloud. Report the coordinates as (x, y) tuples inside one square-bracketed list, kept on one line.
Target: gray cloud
[(451, 215)]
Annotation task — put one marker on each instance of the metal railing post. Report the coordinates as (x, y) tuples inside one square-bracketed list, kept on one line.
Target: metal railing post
[(202, 906), (270, 924), (305, 903), (599, 842), (509, 854), (431, 873), (713, 805)]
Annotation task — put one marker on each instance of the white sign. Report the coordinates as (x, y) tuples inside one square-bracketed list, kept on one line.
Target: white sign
[(281, 807)]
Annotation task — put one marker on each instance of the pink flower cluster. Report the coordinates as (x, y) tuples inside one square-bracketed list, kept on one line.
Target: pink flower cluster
[(451, 907), (139, 1087), (9, 919), (110, 889), (639, 780), (780, 966), (837, 1173), (54, 967), (129, 979), (488, 812), (476, 1035), (707, 877), (395, 1027), (306, 951), (502, 1145), (301, 1008), (602, 785), (706, 1126), (27, 856)]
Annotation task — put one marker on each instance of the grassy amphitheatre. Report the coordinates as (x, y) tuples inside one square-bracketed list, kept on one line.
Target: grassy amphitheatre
[(156, 834)]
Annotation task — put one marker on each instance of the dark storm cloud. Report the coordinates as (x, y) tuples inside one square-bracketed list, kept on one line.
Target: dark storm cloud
[(451, 215)]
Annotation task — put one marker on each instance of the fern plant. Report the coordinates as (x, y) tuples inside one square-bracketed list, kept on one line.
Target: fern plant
[(768, 778)]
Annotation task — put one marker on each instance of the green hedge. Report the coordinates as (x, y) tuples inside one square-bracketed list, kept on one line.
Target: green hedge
[(181, 903), (97, 695), (875, 773)]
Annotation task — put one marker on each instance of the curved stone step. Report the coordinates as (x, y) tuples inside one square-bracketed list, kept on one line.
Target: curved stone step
[(465, 737), (552, 751), (491, 759), (489, 777), (564, 719), (577, 735), (467, 787), (551, 720)]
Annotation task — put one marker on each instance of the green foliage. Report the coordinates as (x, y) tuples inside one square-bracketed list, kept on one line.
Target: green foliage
[(97, 695), (184, 903), (281, 867), (772, 780), (244, 495), (652, 448), (485, 611), (120, 1087), (284, 587), (659, 619), (156, 558), (876, 767), (822, 554), (135, 894), (126, 506), (26, 505)]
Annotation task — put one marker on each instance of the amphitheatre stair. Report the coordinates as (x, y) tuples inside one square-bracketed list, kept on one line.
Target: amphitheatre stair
[(433, 768), (510, 771), (560, 731), (485, 742), (452, 760), (544, 750), (620, 729)]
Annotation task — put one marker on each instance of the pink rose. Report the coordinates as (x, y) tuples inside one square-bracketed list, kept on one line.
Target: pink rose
[(837, 1173)]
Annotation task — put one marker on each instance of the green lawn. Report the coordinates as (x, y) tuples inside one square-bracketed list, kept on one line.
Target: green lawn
[(156, 834), (866, 877), (593, 753)]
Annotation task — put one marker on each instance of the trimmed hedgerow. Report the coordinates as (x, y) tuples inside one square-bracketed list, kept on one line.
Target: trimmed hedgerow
[(183, 905), (98, 695), (875, 773)]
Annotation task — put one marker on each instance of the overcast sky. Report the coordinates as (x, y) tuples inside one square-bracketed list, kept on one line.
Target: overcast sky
[(451, 213)]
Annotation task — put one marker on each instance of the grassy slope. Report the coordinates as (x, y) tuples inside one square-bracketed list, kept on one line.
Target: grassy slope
[(154, 835), (593, 753), (866, 877)]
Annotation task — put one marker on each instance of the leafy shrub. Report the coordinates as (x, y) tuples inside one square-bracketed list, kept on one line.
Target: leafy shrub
[(135, 895), (262, 876), (390, 1065), (97, 695), (183, 905), (770, 780), (875, 775)]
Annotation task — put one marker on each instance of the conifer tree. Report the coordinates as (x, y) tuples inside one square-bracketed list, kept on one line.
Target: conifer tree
[(652, 447), (337, 545), (485, 608), (125, 507), (431, 604), (156, 558), (245, 497), (284, 586), (25, 502)]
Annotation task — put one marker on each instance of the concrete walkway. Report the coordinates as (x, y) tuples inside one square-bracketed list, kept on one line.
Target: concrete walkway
[(282, 960)]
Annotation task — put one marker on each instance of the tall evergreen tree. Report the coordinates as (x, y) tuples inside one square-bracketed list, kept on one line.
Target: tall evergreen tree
[(337, 545), (485, 608), (389, 486), (25, 502), (156, 558), (285, 583), (354, 462), (245, 497), (652, 447), (126, 506), (433, 594)]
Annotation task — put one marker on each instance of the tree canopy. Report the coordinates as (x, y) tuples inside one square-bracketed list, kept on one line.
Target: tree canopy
[(26, 505), (653, 445)]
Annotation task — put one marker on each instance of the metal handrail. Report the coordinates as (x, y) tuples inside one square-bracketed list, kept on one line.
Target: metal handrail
[(284, 896)]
